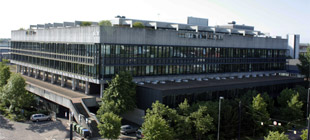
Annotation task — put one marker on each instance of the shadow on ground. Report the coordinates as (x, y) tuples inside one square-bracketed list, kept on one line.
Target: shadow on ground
[(45, 126), (4, 123)]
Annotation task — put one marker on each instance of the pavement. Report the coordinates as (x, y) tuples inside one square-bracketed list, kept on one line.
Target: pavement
[(45, 130)]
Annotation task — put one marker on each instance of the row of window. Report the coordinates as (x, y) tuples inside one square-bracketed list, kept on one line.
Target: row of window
[(81, 69), (89, 50), (152, 70), (139, 51)]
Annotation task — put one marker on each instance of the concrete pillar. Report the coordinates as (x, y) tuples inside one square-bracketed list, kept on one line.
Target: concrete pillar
[(73, 84), (52, 78), (101, 90), (86, 87), (29, 71), (62, 83), (37, 73), (22, 69), (43, 76), (17, 68)]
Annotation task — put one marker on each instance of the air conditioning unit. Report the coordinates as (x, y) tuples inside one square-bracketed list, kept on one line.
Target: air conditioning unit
[(162, 82), (198, 79), (231, 77), (247, 76), (253, 75), (154, 82), (178, 80), (148, 81), (240, 76), (205, 79), (217, 78), (185, 80), (260, 75), (223, 78)]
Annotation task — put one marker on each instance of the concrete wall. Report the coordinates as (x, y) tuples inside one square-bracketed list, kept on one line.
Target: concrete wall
[(89, 34), (293, 45), (135, 116), (126, 35)]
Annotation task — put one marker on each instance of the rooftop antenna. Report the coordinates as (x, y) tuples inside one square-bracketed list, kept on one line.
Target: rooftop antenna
[(158, 14)]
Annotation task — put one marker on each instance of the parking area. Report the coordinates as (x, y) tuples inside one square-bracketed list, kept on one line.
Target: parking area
[(45, 130)]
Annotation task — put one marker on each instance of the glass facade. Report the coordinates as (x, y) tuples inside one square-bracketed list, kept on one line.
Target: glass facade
[(146, 60), (105, 60)]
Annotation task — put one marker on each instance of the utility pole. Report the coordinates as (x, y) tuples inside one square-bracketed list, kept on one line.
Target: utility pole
[(308, 116), (219, 119), (239, 127)]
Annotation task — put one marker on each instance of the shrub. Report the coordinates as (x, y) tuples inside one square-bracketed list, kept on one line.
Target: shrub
[(138, 25), (86, 23)]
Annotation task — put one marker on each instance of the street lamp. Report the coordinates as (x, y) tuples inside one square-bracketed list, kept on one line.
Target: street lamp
[(71, 119), (219, 119)]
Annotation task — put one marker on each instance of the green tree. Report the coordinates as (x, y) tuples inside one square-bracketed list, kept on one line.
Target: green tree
[(260, 113), (86, 23), (156, 128), (138, 25), (105, 23), (110, 125), (120, 96), (4, 74), (293, 110), (276, 136), (184, 108), (15, 93), (285, 96), (304, 134), (202, 122), (304, 63)]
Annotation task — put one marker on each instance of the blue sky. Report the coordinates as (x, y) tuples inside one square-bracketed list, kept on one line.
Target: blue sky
[(277, 17)]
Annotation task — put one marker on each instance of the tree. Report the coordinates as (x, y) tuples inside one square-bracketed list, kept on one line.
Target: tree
[(293, 110), (110, 125), (260, 113), (285, 96), (120, 96), (15, 93), (304, 63), (304, 134), (105, 23), (4, 74), (183, 108), (86, 23), (138, 25), (276, 136), (202, 122), (156, 128)]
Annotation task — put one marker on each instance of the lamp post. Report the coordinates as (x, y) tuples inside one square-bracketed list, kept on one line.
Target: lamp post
[(308, 116), (219, 119), (71, 118)]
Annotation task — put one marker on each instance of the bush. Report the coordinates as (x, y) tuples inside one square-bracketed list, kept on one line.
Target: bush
[(138, 25), (86, 23), (105, 23)]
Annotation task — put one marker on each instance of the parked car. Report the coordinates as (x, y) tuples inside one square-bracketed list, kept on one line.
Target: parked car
[(126, 129), (139, 134), (40, 117)]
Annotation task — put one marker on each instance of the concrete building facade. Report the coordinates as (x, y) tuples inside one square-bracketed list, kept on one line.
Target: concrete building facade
[(88, 56)]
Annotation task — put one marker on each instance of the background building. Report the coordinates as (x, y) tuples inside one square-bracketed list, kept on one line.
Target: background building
[(4, 48)]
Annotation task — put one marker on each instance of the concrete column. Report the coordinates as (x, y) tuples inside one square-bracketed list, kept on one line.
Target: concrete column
[(17, 68), (62, 81), (22, 69), (86, 87), (52, 78), (73, 84), (37, 73), (29, 71), (43, 76), (101, 90)]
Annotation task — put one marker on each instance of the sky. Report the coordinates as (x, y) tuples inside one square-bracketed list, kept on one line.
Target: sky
[(277, 17)]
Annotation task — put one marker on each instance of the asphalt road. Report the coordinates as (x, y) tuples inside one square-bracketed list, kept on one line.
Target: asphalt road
[(45, 130)]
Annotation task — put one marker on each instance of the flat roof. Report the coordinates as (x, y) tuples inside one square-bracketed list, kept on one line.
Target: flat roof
[(211, 83)]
